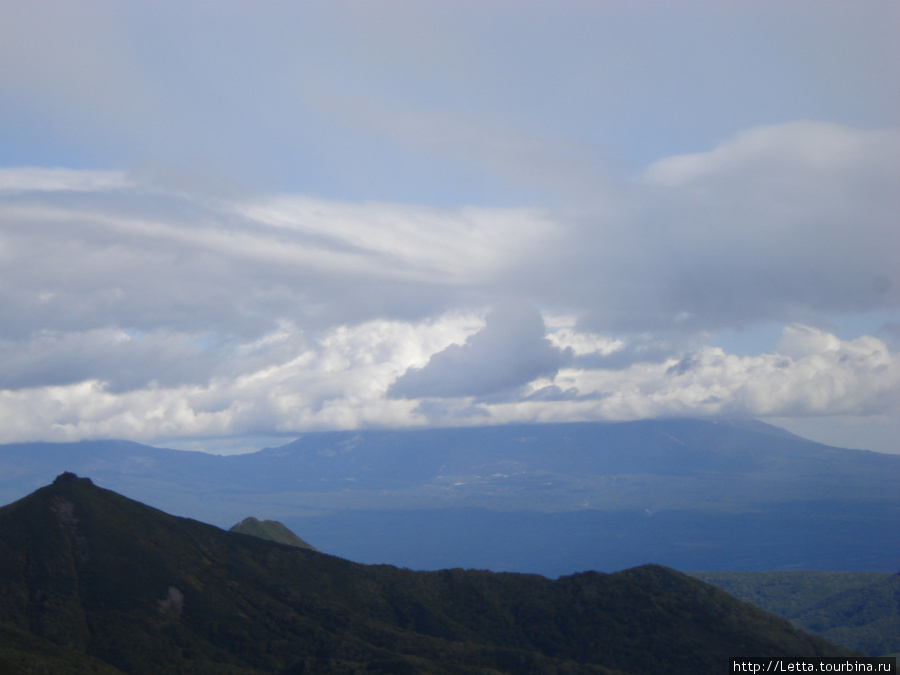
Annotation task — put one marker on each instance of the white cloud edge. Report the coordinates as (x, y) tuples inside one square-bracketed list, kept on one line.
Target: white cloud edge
[(341, 384)]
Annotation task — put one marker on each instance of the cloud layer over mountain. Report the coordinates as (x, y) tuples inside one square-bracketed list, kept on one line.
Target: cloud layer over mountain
[(134, 310), (333, 215)]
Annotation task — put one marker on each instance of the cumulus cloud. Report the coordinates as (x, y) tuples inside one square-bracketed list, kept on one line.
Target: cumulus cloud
[(511, 350), (288, 383), (827, 376), (284, 382)]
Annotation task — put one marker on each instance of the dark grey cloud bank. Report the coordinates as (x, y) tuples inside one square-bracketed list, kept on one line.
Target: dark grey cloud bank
[(782, 224)]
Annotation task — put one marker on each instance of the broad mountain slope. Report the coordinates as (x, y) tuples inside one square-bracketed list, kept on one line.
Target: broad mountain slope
[(648, 464), (105, 584), (653, 464), (548, 498)]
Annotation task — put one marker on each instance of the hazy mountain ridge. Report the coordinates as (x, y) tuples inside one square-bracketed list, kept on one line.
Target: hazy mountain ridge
[(677, 491), (609, 465), (106, 580), (668, 449)]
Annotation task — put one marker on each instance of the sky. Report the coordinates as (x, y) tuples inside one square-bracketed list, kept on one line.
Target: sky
[(224, 224)]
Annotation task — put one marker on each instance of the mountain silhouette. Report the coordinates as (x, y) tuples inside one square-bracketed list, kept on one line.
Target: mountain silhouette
[(91, 581)]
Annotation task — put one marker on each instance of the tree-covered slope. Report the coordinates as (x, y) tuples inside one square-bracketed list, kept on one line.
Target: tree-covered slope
[(270, 530), (858, 610), (90, 576)]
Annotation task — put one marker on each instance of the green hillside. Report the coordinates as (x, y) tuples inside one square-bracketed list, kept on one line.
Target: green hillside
[(858, 610), (92, 579), (270, 530)]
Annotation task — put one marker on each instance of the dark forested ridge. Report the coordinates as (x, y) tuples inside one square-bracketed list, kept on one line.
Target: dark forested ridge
[(91, 581)]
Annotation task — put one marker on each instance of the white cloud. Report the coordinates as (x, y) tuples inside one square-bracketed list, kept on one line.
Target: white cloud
[(343, 380), (285, 382), (36, 179), (129, 309), (466, 245), (815, 374), (564, 337), (784, 156), (510, 351)]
